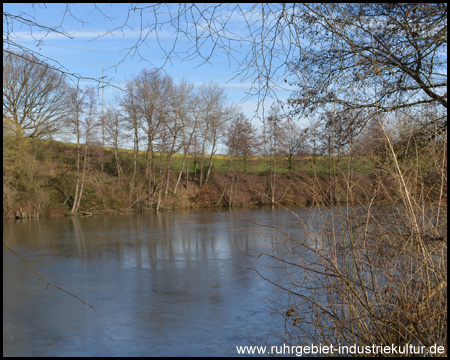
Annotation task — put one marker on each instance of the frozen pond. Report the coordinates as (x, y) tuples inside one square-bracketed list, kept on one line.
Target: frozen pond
[(169, 284)]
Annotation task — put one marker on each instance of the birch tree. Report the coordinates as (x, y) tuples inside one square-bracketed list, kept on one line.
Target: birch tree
[(83, 122)]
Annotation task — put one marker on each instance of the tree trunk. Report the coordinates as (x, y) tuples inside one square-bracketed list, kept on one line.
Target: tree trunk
[(213, 151), (150, 174), (75, 198), (201, 169), (119, 168), (169, 161), (187, 172), (135, 156), (82, 177), (203, 156), (208, 173), (179, 175)]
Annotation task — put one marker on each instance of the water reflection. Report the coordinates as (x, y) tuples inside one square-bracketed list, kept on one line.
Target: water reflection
[(162, 284)]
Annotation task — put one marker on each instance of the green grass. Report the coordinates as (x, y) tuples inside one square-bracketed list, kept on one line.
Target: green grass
[(260, 165), (257, 165)]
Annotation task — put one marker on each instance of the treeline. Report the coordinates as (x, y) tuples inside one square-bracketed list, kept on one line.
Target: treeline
[(155, 117), (158, 118)]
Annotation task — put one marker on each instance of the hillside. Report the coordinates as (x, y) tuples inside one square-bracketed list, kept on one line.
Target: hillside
[(40, 177)]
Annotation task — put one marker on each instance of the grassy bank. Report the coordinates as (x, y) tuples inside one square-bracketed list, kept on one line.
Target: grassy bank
[(40, 179)]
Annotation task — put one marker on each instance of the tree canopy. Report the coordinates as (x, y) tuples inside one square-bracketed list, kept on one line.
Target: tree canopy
[(34, 97), (378, 57), (371, 55)]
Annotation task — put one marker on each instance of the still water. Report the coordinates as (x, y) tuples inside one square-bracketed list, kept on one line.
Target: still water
[(169, 284)]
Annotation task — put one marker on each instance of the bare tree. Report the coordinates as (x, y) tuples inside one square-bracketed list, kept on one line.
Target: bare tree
[(82, 120), (373, 56), (153, 90), (293, 142), (329, 45), (185, 110), (213, 117), (272, 135), (129, 105), (243, 142), (169, 138), (34, 97), (242, 139), (113, 125)]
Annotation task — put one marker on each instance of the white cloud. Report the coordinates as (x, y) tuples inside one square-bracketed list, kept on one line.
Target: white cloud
[(84, 34)]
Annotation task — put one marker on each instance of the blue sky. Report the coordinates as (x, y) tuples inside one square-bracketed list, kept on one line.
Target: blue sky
[(85, 53)]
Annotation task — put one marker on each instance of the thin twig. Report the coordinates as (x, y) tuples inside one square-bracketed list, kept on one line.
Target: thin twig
[(47, 282)]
